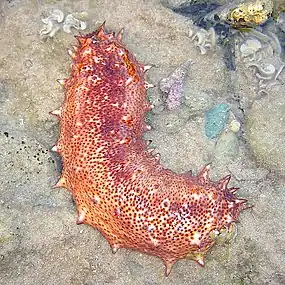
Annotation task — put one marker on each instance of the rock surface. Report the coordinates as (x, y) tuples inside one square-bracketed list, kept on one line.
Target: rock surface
[(39, 240), (265, 131)]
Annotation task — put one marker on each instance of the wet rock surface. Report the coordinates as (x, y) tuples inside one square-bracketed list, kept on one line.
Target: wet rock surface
[(39, 240), (265, 131)]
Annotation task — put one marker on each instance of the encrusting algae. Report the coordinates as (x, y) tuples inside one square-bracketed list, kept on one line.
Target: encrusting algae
[(250, 14)]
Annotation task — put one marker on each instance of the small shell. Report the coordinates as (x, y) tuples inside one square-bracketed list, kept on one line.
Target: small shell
[(264, 71), (56, 15), (250, 47), (46, 29), (234, 126), (71, 22), (172, 85), (49, 30), (52, 24)]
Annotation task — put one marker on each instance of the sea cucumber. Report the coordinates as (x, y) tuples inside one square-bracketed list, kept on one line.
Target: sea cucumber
[(119, 187)]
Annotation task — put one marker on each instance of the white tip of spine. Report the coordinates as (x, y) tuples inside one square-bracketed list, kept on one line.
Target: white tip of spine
[(201, 261), (147, 67), (233, 190), (115, 248), (148, 85), (56, 112), (204, 174), (240, 201), (61, 183), (223, 183), (81, 217), (61, 81), (55, 148), (71, 53), (120, 34), (148, 127), (157, 157)]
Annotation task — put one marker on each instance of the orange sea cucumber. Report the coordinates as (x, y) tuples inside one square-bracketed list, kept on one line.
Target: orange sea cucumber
[(118, 186)]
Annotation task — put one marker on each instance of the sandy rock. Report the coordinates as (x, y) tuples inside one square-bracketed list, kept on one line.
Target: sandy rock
[(170, 121), (265, 130)]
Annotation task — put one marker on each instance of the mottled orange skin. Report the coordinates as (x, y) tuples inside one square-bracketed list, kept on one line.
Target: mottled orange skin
[(118, 186)]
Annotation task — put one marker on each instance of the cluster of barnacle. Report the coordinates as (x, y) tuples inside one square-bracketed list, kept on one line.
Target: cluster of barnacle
[(262, 52), (203, 39), (56, 21)]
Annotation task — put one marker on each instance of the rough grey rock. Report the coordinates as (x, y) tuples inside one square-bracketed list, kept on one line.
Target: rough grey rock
[(265, 130), (170, 121), (226, 149), (198, 101)]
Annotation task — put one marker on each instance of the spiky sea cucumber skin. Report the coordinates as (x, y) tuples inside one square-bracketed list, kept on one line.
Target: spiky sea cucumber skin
[(118, 186)]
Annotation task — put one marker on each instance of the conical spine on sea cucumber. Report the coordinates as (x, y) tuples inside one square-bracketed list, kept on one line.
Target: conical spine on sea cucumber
[(119, 186)]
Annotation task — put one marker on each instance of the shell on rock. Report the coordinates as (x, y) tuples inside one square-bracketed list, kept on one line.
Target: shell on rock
[(250, 47), (172, 85)]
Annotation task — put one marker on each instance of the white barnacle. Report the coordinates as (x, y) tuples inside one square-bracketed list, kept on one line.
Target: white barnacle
[(49, 30), (261, 51)]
